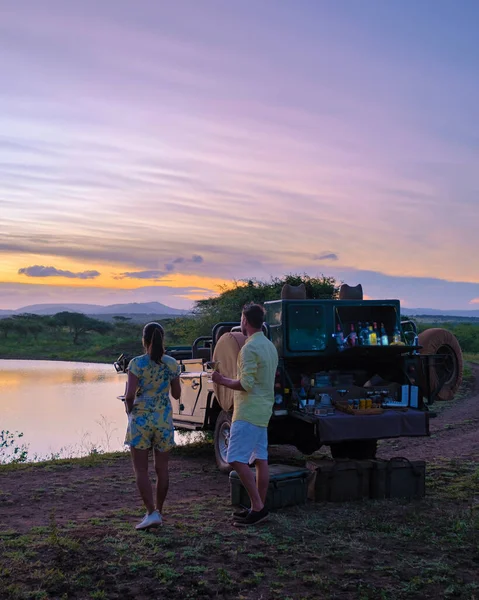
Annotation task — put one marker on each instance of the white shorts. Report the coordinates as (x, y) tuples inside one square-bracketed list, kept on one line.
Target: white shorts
[(247, 443)]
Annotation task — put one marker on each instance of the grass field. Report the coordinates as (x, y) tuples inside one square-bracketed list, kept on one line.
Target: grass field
[(384, 550)]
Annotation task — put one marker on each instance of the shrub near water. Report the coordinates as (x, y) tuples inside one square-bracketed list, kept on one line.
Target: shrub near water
[(12, 450)]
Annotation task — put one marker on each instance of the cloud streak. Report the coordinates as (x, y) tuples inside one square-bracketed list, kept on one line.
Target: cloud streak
[(41, 271), (155, 275), (327, 255), (158, 275)]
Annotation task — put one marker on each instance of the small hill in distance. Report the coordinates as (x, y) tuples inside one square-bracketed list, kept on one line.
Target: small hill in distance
[(134, 310), (139, 311), (430, 315)]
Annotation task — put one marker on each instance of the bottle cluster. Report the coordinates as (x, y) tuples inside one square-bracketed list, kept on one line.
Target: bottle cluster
[(365, 334)]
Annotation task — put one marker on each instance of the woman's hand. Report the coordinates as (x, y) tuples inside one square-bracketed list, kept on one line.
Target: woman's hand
[(131, 387)]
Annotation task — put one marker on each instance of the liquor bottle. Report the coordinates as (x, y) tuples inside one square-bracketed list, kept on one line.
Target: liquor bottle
[(364, 335), (384, 336), (377, 334), (303, 398), (373, 340), (396, 335), (339, 337), (358, 337), (352, 337)]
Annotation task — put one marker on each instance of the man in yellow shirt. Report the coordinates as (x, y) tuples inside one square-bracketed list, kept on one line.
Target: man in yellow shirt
[(253, 405)]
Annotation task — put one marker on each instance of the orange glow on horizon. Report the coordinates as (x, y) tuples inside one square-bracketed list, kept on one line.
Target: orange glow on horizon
[(109, 278)]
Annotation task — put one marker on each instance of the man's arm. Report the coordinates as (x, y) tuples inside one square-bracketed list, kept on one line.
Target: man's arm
[(232, 384), (247, 367)]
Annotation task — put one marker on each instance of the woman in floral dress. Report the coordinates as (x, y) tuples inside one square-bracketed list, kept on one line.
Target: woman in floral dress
[(151, 377)]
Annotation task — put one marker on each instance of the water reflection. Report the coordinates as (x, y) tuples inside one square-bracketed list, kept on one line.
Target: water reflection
[(63, 408), (15, 373)]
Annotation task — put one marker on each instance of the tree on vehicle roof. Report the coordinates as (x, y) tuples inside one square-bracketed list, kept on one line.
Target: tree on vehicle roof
[(228, 304)]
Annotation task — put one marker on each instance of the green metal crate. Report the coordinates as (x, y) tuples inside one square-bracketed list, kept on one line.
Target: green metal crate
[(288, 486)]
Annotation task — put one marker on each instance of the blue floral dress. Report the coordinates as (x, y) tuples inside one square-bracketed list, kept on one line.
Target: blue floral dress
[(150, 424)]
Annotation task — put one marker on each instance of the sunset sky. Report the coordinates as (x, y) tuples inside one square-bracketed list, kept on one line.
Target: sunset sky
[(156, 150)]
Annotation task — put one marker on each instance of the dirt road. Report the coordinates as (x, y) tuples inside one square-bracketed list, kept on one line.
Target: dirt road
[(454, 432)]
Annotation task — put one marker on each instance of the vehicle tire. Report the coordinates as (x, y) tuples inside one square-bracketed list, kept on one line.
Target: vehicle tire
[(442, 341), (221, 440), (356, 450)]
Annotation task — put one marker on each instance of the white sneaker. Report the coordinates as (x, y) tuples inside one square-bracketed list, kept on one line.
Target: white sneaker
[(151, 520)]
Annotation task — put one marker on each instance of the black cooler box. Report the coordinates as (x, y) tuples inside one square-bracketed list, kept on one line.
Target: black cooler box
[(288, 486)]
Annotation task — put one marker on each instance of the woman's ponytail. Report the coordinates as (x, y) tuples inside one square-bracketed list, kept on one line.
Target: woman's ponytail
[(153, 334)]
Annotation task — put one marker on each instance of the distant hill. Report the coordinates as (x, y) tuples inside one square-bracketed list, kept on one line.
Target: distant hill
[(433, 312), (133, 308), (158, 309)]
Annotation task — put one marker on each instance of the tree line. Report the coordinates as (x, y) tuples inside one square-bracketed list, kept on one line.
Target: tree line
[(226, 306), (32, 325)]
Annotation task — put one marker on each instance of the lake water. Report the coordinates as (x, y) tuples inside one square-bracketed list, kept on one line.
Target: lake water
[(63, 408)]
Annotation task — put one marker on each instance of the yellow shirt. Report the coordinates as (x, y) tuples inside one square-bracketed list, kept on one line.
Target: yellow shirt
[(257, 364)]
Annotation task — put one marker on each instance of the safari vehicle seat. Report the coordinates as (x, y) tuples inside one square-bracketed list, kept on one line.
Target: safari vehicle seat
[(221, 331), (293, 292), (204, 353), (349, 292)]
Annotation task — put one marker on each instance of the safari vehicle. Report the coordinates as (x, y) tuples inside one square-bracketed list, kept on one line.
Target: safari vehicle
[(329, 389)]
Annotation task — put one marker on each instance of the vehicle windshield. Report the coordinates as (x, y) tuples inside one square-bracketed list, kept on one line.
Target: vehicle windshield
[(306, 328)]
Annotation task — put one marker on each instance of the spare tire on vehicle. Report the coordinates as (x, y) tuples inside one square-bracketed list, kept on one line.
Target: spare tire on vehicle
[(446, 375), (226, 354)]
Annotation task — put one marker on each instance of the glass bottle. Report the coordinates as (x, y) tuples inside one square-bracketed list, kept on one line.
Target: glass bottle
[(384, 336), (339, 337), (396, 335), (303, 397), (373, 340), (352, 337), (359, 341), (365, 335)]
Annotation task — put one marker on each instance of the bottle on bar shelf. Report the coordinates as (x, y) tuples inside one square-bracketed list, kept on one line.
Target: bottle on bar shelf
[(364, 335), (358, 334), (373, 340), (303, 398), (339, 337), (377, 334), (384, 336), (352, 337), (396, 335)]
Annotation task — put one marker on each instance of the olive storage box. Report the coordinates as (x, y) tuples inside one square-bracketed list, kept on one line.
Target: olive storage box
[(398, 478), (339, 480), (288, 486)]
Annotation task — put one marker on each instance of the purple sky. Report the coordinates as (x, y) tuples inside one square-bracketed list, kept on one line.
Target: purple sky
[(261, 138)]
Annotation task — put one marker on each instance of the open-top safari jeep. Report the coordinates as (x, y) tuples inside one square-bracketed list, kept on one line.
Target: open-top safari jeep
[(330, 389)]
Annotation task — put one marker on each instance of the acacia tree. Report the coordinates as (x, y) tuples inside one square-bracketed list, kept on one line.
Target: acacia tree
[(28, 323), (78, 324), (6, 326)]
